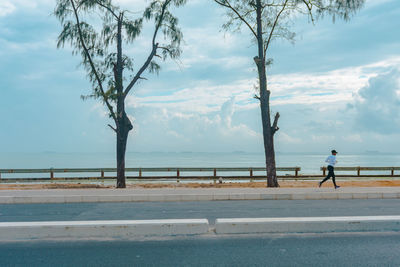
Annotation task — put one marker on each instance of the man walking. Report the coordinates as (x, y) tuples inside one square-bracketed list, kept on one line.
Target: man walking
[(331, 160)]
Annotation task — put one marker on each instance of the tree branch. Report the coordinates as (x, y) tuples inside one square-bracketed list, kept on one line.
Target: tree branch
[(91, 62), (275, 127), (309, 7), (108, 8), (164, 7), (228, 5), (100, 4), (115, 130), (141, 70), (273, 27), (119, 66), (153, 51)]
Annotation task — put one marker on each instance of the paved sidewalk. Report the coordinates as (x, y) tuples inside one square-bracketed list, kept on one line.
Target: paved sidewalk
[(193, 194)]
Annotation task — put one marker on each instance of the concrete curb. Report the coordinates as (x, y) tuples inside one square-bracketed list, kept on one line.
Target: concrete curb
[(27, 199), (307, 224), (125, 229), (14, 231)]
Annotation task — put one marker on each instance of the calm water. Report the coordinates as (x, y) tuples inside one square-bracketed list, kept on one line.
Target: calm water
[(309, 163)]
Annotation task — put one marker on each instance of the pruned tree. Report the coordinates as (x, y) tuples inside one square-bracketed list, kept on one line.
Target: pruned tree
[(268, 20), (99, 32)]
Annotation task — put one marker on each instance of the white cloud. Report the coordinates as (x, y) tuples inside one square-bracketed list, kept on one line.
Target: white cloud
[(374, 3), (353, 138), (323, 138), (6, 8), (10, 6), (192, 131), (285, 138), (377, 104), (206, 117), (203, 98), (10, 47), (338, 86), (98, 108)]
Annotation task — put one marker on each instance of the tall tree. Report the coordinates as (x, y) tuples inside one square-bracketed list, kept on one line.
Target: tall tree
[(268, 20), (99, 31)]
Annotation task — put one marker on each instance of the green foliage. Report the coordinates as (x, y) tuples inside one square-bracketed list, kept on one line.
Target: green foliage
[(278, 15), (91, 28), (168, 24), (342, 9)]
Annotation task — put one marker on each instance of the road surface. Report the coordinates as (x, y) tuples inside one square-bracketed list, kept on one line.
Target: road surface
[(366, 249), (194, 210)]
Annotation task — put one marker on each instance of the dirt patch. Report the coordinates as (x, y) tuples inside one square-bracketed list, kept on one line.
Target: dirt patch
[(283, 184)]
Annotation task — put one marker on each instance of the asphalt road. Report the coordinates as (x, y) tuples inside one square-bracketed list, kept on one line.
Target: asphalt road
[(365, 249), (203, 209)]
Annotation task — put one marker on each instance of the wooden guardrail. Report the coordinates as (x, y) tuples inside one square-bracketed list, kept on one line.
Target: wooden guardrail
[(358, 169), (109, 173), (141, 171)]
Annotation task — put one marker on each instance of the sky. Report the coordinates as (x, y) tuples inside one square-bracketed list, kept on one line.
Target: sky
[(336, 87)]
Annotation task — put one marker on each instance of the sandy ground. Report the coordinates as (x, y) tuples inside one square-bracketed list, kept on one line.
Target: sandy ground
[(285, 184)]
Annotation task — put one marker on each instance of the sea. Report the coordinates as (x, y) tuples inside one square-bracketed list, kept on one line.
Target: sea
[(309, 163)]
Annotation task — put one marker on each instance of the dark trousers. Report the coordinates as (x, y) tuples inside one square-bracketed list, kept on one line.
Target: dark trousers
[(331, 173)]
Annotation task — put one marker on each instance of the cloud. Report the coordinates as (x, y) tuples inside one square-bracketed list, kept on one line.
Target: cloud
[(353, 138), (206, 115), (377, 105), (205, 96), (375, 3), (216, 131), (285, 138), (19, 47), (6, 8)]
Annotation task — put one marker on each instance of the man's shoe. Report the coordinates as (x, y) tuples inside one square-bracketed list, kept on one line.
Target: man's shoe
[(319, 184), (336, 187)]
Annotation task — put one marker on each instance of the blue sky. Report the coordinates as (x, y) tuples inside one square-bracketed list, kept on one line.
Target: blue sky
[(336, 87)]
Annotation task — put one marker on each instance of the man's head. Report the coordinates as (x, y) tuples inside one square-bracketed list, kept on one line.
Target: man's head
[(334, 152)]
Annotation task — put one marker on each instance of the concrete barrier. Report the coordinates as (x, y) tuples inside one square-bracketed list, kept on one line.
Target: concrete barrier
[(11, 231), (127, 229), (307, 224)]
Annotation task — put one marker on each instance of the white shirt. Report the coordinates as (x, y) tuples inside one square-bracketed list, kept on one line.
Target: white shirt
[(331, 160)]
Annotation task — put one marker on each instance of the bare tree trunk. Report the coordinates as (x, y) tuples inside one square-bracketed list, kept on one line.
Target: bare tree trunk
[(268, 137), (268, 131), (124, 125), (122, 139)]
